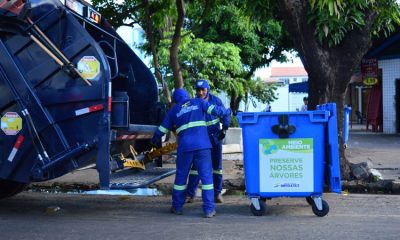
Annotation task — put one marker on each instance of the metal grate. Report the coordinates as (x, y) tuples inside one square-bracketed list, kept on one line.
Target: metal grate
[(134, 178)]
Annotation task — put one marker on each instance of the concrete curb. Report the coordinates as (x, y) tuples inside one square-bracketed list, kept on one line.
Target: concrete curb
[(231, 185), (379, 187), (233, 142)]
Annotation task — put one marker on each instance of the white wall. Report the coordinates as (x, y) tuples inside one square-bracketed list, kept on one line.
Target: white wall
[(282, 103), (390, 72), (286, 102), (296, 101)]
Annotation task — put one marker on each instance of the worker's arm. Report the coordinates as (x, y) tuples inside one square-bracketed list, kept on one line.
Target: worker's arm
[(218, 111), (225, 120), (164, 128)]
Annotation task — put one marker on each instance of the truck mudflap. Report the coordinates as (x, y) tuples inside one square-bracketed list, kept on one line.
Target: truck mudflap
[(59, 72)]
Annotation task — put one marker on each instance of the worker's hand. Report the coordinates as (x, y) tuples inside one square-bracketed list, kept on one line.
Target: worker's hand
[(221, 134)]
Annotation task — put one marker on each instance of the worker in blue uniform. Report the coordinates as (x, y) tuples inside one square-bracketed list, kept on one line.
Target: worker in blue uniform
[(216, 135), (189, 118)]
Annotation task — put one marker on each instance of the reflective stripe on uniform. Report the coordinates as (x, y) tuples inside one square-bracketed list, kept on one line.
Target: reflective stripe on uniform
[(212, 122), (217, 171), (179, 187), (210, 108), (190, 125), (163, 129), (207, 187), (193, 172)]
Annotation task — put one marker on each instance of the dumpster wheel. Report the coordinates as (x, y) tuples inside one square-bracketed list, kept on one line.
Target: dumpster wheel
[(323, 212), (309, 200), (10, 188), (261, 204)]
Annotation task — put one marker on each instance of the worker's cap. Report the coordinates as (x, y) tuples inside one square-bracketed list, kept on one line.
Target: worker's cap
[(180, 95), (202, 83)]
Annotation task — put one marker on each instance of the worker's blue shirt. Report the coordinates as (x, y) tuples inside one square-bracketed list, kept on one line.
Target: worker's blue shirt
[(189, 118), (213, 122)]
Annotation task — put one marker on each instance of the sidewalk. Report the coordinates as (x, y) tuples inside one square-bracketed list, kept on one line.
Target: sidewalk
[(381, 152)]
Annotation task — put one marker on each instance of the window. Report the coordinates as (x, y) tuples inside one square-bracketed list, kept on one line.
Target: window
[(284, 80)]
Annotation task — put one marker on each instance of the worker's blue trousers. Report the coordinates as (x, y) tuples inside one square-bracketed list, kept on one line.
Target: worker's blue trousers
[(202, 160), (216, 158)]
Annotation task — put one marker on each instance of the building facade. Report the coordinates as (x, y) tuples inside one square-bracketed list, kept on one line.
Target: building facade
[(283, 77)]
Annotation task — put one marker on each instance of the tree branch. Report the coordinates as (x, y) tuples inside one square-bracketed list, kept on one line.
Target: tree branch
[(174, 61)]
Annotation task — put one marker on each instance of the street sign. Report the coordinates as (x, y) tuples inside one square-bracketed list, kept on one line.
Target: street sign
[(369, 70)]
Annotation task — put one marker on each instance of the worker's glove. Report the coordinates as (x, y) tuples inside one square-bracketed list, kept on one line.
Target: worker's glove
[(221, 134)]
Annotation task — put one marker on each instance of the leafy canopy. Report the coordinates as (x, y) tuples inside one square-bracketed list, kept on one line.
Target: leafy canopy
[(335, 18)]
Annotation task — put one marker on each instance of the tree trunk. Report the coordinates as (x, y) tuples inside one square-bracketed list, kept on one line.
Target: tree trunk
[(150, 37), (329, 69), (176, 40), (235, 101)]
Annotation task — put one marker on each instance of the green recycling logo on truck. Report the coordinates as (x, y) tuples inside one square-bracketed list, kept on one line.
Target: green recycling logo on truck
[(286, 165)]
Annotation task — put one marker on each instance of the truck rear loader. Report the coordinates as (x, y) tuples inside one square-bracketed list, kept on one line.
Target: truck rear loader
[(72, 94)]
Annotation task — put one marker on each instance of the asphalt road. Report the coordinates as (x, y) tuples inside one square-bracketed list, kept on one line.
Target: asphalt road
[(29, 216)]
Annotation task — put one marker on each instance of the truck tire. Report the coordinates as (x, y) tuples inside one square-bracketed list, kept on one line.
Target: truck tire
[(10, 188)]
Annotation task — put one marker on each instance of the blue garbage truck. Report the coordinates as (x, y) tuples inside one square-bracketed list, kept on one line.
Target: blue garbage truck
[(72, 94)]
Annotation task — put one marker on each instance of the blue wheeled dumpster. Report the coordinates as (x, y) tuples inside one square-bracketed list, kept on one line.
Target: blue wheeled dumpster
[(290, 154), (346, 125), (72, 94)]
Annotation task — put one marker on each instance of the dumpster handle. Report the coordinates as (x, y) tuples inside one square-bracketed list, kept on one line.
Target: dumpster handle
[(283, 129), (319, 116), (248, 118)]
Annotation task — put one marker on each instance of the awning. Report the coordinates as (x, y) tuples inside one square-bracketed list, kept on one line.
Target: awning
[(301, 87)]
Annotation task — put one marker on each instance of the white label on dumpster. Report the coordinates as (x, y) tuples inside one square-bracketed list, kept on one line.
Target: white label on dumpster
[(286, 165)]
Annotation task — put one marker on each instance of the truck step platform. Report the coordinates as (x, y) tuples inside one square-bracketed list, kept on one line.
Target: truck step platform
[(134, 178)]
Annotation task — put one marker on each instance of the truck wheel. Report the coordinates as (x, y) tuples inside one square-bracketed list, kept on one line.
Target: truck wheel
[(262, 210), (10, 188), (323, 212)]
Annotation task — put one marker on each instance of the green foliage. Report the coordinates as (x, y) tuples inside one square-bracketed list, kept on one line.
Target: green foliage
[(234, 122), (116, 13), (260, 41), (258, 90), (128, 12), (221, 42), (335, 18), (218, 62)]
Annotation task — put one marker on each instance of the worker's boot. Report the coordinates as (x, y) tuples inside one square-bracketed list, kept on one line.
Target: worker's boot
[(210, 214), (218, 198), (189, 199), (177, 212)]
